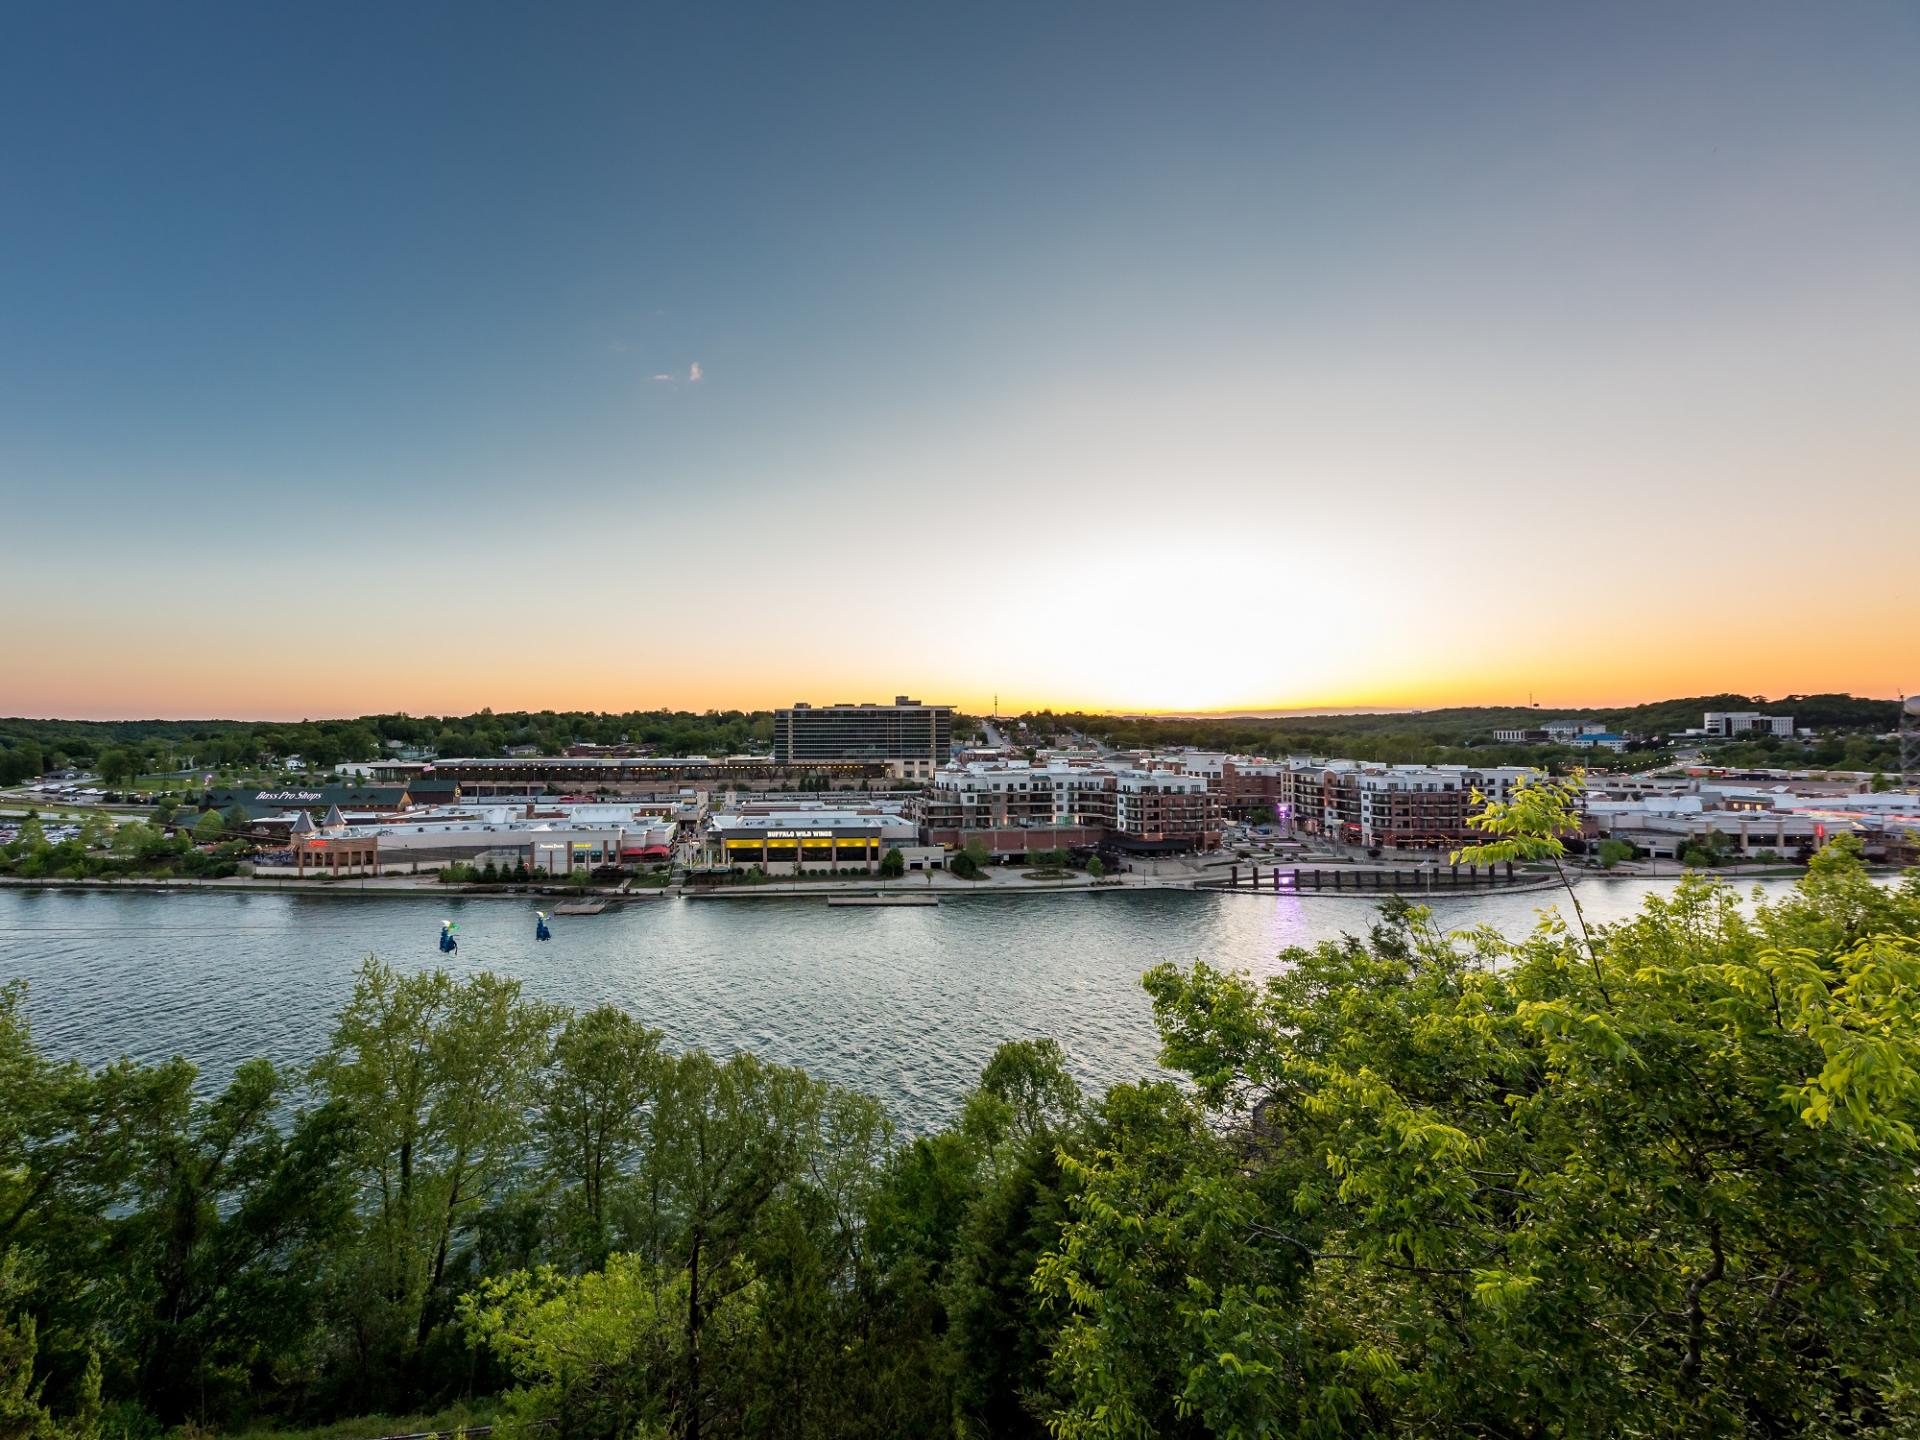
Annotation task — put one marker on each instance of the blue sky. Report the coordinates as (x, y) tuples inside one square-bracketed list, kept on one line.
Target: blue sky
[(1006, 309)]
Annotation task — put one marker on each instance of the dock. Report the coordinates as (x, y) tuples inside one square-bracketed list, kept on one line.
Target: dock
[(579, 907)]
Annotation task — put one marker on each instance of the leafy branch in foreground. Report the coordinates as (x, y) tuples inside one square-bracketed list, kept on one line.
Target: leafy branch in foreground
[(1531, 827)]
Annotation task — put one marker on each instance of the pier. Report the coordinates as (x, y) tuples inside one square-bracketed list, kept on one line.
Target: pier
[(1374, 880)]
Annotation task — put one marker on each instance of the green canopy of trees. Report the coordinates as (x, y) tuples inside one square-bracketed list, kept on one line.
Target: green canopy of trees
[(1658, 1179)]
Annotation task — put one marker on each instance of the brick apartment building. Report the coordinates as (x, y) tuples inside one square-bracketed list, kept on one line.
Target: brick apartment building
[(1014, 807)]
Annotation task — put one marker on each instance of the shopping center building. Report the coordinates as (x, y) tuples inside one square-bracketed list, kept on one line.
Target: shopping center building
[(552, 843)]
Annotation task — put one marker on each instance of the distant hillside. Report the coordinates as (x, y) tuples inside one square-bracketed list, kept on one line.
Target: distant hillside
[(1461, 734)]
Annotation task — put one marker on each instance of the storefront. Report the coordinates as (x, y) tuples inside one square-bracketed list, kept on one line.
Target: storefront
[(829, 843)]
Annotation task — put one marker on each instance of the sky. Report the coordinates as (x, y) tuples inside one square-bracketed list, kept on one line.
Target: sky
[(369, 357)]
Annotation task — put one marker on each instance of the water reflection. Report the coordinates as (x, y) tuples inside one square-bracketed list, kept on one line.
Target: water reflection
[(907, 1003)]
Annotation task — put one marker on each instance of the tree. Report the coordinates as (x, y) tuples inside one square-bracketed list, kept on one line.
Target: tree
[(209, 828), (235, 1217), (117, 765), (729, 1137), (438, 1076), (600, 1350), (73, 1143), (139, 843), (893, 864), (1441, 1184), (1612, 852), (1533, 825), (596, 1120), (21, 762), (23, 1416), (1096, 867), (969, 860)]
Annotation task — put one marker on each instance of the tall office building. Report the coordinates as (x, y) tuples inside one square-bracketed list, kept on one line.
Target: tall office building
[(913, 739)]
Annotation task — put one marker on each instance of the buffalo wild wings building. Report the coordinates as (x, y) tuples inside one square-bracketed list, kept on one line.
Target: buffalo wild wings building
[(788, 842)]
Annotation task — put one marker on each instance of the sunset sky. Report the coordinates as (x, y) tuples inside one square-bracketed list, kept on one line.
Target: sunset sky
[(433, 356)]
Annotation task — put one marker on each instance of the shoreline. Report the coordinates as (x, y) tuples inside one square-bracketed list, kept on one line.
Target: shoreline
[(383, 888)]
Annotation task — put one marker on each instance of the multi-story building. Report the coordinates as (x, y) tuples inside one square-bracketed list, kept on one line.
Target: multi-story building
[(1249, 786), (913, 740), (1600, 740), (1410, 806), (1725, 724), (1013, 808), (1568, 732)]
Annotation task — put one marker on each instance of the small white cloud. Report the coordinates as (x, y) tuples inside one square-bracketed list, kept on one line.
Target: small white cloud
[(618, 347), (693, 375), (663, 377)]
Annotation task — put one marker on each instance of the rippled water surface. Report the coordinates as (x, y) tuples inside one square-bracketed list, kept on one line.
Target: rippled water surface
[(904, 1003)]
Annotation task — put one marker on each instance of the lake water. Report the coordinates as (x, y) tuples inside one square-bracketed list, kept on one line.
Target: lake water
[(906, 1004)]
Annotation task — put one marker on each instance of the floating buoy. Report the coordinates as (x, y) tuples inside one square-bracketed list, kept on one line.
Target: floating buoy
[(449, 945), (540, 930)]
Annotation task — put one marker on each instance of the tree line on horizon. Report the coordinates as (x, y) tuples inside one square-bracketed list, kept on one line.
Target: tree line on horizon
[(1658, 1178), (1456, 735), (1850, 733)]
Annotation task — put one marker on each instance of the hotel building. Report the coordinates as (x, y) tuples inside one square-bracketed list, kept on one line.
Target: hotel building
[(911, 739)]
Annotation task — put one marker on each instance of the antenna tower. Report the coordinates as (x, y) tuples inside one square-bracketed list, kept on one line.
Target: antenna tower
[(1910, 741)]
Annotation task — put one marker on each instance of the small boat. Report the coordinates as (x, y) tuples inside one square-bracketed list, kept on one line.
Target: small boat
[(883, 900)]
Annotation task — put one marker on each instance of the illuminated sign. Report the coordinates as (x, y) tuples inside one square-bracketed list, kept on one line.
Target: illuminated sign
[(807, 835)]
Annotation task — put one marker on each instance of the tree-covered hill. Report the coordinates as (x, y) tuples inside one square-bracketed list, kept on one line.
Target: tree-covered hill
[(1461, 733)]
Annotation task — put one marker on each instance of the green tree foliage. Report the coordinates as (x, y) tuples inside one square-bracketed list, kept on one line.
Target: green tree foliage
[(234, 1215), (1712, 849), (437, 1076), (247, 745), (602, 1351), (969, 861), (1457, 1185), (21, 761), (117, 765), (1611, 852), (596, 1123), (892, 864)]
